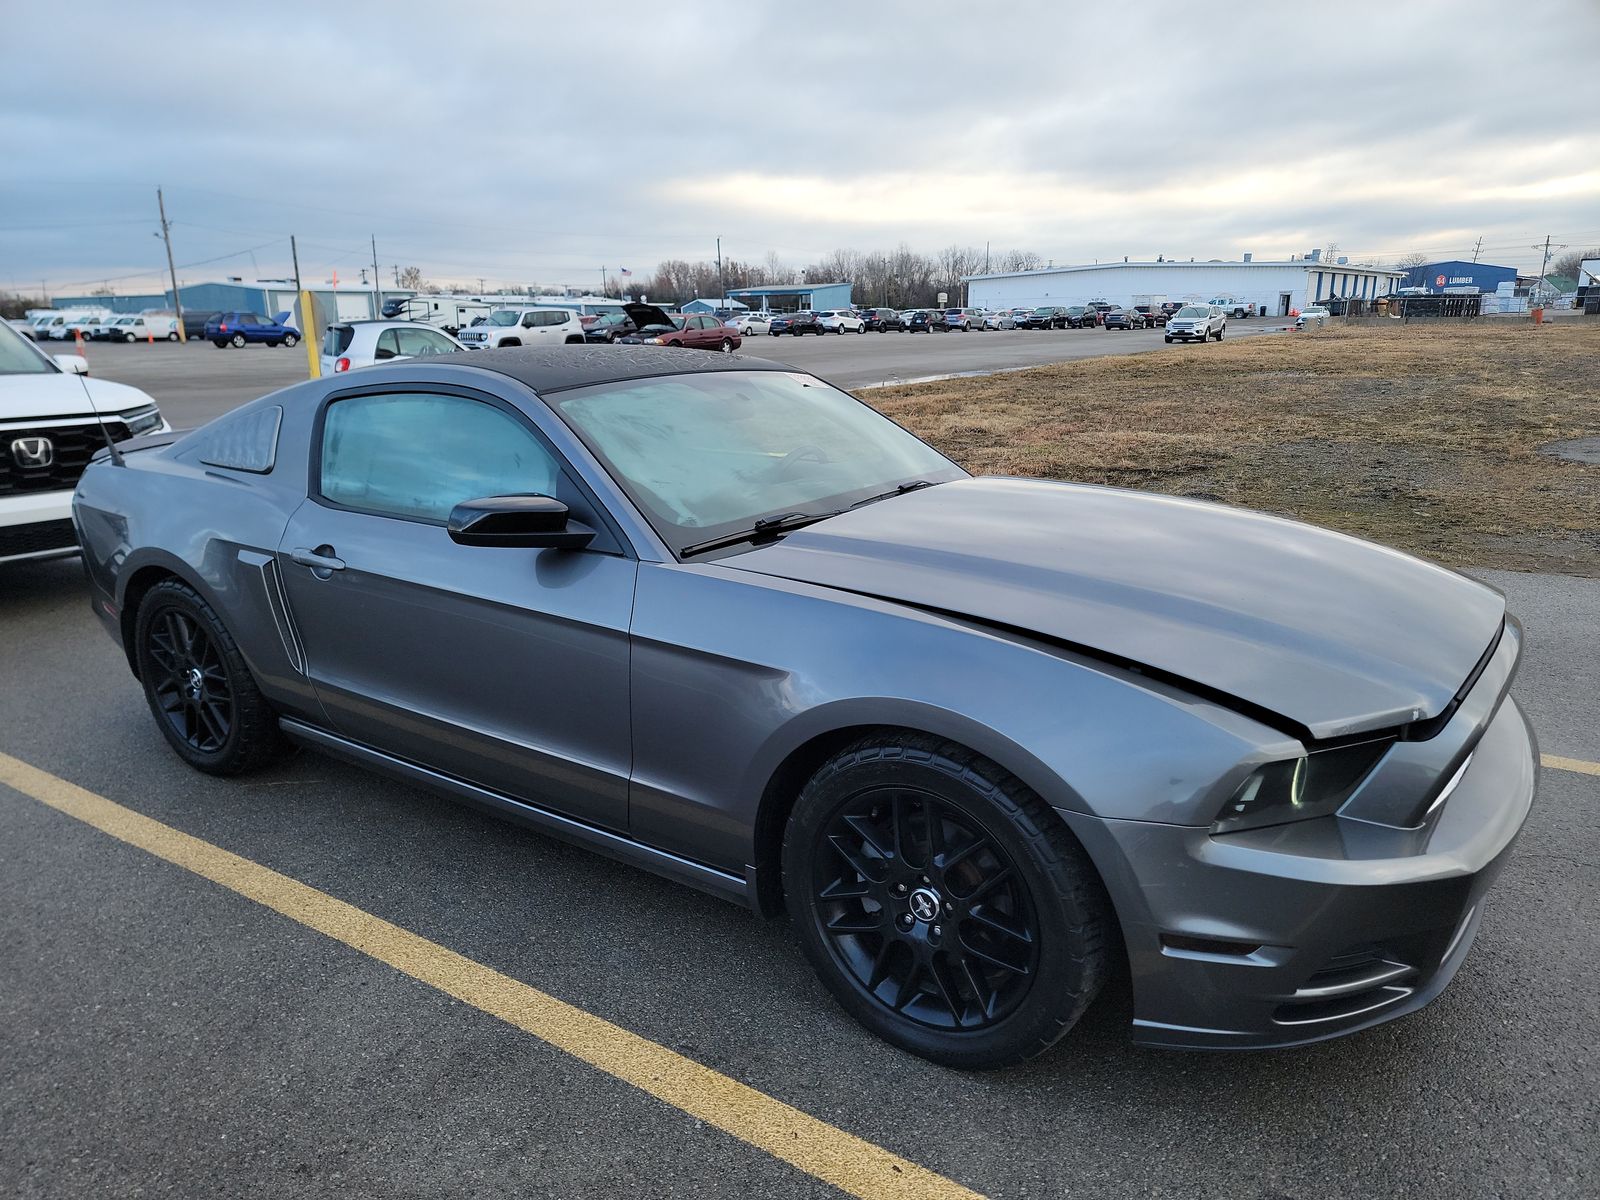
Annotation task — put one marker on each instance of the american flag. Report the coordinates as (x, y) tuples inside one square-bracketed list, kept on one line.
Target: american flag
[(625, 271)]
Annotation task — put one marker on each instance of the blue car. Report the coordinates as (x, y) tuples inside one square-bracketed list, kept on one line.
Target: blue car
[(239, 329)]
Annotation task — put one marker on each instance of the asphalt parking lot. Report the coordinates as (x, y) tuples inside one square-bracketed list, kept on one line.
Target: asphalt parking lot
[(196, 382), (164, 1035)]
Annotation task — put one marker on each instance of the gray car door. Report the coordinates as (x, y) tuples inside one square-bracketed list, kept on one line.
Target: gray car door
[(506, 667)]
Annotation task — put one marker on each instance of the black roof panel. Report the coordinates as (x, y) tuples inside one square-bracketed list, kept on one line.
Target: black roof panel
[(559, 368)]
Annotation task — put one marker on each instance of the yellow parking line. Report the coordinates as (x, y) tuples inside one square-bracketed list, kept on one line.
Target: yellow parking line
[(849, 1163), (1569, 764)]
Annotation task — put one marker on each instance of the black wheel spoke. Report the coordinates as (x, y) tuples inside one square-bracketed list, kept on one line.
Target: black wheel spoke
[(991, 925), (846, 889), (856, 922), (910, 986), (995, 960), (950, 995), (852, 855)]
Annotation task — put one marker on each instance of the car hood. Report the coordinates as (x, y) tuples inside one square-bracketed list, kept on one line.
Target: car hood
[(23, 397), (1333, 634), (644, 315)]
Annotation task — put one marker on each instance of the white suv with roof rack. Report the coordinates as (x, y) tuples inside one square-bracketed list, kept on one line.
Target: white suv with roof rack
[(531, 326)]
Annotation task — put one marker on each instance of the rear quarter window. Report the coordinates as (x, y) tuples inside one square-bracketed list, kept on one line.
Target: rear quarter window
[(243, 441)]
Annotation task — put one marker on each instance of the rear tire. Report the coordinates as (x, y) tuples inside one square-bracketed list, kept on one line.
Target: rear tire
[(222, 345), (173, 336), (197, 684), (727, 345), (945, 905)]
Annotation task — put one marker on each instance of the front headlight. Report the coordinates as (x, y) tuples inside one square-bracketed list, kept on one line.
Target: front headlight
[(652, 341), (1298, 789), (144, 422)]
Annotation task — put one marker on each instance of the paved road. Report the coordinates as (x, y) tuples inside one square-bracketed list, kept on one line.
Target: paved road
[(196, 382), (162, 1036)]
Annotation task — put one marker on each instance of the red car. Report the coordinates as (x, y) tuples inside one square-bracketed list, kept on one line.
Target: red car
[(700, 331)]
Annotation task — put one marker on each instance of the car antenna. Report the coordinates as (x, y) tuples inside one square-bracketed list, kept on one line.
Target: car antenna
[(111, 446)]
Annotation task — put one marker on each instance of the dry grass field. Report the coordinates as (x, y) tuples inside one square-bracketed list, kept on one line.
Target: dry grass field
[(1422, 437)]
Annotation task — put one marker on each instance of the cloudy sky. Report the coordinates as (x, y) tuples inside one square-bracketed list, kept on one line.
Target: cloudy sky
[(524, 144)]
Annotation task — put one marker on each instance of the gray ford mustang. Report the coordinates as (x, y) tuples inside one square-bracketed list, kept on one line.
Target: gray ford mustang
[(986, 741)]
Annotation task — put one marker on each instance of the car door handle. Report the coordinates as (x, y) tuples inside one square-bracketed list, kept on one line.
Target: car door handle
[(316, 561)]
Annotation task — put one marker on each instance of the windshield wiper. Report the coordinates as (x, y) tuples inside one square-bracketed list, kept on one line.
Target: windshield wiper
[(911, 485), (764, 529)]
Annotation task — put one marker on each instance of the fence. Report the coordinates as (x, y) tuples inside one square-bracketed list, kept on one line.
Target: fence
[(1407, 308)]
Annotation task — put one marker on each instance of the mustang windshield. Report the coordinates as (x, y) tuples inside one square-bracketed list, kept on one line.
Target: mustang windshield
[(710, 454)]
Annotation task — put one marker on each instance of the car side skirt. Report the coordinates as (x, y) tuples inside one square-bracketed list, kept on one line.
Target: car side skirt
[(614, 845)]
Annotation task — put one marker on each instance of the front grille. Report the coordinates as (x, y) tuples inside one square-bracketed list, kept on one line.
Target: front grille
[(71, 448), (33, 539)]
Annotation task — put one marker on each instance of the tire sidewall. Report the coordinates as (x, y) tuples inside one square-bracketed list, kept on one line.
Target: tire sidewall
[(1037, 1021)]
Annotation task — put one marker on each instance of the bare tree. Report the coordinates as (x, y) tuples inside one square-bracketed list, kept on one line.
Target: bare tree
[(411, 279), (1566, 265), (1020, 260), (1415, 259)]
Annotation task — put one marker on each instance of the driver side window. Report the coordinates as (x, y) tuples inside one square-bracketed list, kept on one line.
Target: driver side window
[(416, 455)]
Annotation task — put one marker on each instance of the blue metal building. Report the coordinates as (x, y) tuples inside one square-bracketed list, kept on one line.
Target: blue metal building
[(1455, 274), (818, 297), (702, 305), (268, 297)]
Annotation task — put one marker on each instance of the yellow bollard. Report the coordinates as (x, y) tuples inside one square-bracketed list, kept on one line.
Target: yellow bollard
[(308, 333)]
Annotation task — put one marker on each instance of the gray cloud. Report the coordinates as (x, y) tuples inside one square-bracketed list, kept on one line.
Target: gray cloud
[(512, 146)]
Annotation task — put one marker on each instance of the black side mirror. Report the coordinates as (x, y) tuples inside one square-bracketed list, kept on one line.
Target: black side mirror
[(536, 521)]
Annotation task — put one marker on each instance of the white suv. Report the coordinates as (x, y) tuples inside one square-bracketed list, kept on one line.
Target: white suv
[(1196, 323), (525, 327), (841, 320), (352, 344), (51, 421)]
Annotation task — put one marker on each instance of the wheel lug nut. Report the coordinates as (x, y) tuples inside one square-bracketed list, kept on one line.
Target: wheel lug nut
[(907, 921), (925, 879), (899, 889), (936, 931)]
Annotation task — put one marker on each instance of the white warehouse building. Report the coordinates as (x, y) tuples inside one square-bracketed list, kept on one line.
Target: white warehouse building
[(1275, 287)]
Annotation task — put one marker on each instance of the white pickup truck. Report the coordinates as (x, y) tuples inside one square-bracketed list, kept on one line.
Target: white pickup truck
[(524, 327), (1236, 308)]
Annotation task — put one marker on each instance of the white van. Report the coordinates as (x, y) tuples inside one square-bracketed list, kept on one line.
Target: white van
[(143, 328)]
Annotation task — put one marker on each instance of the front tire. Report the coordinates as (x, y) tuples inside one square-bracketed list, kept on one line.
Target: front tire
[(944, 905), (199, 689), (290, 340)]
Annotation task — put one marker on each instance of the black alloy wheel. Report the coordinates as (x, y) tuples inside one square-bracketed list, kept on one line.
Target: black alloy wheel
[(198, 686), (924, 910), (189, 682), (945, 905)]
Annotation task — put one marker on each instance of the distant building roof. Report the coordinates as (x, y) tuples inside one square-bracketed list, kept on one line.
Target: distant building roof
[(1309, 264), (787, 289)]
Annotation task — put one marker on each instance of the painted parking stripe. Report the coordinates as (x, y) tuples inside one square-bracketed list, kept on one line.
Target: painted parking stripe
[(1579, 765), (849, 1163)]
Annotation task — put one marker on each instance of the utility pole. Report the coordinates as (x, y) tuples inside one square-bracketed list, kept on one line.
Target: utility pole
[(722, 280), (1545, 262), (294, 253), (602, 281), (377, 281), (1477, 248), (172, 271)]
